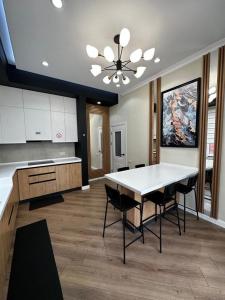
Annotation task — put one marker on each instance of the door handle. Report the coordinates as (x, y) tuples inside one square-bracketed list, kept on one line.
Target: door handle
[(122, 154)]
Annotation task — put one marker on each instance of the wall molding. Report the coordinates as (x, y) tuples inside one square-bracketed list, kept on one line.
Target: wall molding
[(177, 65)]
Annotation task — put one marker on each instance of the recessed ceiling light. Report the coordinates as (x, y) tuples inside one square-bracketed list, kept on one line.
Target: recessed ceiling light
[(45, 63), (99, 102), (157, 60), (57, 3)]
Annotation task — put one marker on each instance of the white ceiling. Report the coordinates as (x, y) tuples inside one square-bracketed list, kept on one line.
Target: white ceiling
[(176, 28)]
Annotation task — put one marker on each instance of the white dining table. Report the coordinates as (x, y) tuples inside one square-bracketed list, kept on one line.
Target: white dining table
[(141, 181)]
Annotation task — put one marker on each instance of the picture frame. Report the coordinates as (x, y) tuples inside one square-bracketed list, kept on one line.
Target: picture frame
[(180, 115)]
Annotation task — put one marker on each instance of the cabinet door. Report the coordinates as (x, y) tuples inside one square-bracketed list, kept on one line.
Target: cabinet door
[(71, 127), (35, 100), (57, 103), (70, 105), (38, 125), (11, 96), (68, 176), (12, 125), (58, 127)]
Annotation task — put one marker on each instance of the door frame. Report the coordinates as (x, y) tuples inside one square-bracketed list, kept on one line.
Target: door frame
[(124, 123), (104, 111)]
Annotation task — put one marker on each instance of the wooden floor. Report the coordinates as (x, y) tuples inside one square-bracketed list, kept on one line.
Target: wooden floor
[(191, 266)]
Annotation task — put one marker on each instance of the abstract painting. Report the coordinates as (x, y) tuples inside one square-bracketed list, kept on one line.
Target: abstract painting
[(180, 114)]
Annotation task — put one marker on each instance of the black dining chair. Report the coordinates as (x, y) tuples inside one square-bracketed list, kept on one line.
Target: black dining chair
[(186, 189), (208, 178), (140, 166), (123, 169), (123, 203), (162, 200)]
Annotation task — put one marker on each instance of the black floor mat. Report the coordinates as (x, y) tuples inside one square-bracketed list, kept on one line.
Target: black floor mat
[(45, 201), (34, 275)]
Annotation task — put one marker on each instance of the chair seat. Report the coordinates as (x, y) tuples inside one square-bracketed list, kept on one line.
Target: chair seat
[(183, 189), (127, 203), (156, 197)]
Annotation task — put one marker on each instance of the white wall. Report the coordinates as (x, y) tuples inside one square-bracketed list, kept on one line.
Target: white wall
[(133, 109), (188, 156)]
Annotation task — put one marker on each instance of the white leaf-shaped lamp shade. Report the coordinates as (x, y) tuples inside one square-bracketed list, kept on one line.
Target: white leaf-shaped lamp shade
[(149, 54), (108, 53), (116, 79), (106, 80), (124, 37), (139, 72), (136, 55), (91, 51), (126, 80), (96, 70)]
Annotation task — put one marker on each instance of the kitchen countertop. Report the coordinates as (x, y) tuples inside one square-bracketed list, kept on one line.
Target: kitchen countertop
[(7, 171)]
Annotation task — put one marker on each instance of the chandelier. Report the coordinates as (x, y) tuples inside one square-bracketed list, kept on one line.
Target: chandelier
[(119, 69)]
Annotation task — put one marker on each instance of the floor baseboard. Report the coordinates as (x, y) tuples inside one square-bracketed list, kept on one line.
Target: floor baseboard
[(217, 222), (85, 187)]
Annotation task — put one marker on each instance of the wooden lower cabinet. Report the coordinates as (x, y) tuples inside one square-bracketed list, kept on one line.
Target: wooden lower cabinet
[(7, 226), (35, 182)]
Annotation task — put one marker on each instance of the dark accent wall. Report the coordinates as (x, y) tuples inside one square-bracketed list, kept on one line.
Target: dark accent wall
[(11, 76), (81, 146)]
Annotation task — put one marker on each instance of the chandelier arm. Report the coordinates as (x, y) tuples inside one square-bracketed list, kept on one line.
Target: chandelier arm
[(110, 69), (110, 77), (126, 62), (110, 66), (129, 69), (121, 52)]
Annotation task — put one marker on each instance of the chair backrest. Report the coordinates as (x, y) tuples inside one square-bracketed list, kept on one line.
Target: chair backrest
[(140, 166), (123, 169), (192, 181), (169, 191), (112, 194), (208, 176)]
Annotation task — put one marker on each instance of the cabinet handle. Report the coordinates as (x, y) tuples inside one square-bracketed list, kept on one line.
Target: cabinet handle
[(37, 132)]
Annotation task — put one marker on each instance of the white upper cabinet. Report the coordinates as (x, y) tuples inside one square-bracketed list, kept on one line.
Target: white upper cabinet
[(57, 103), (70, 105), (71, 127), (38, 125), (32, 116), (13, 125), (11, 96), (36, 100), (58, 127)]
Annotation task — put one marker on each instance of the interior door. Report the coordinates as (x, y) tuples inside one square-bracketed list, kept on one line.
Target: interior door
[(119, 147), (98, 140)]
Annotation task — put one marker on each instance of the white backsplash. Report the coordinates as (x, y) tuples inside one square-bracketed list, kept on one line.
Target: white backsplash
[(35, 151)]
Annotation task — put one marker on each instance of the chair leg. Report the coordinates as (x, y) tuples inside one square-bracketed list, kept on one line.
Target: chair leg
[(106, 209), (160, 229), (196, 204), (141, 221), (178, 218), (124, 247), (184, 212), (155, 212)]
